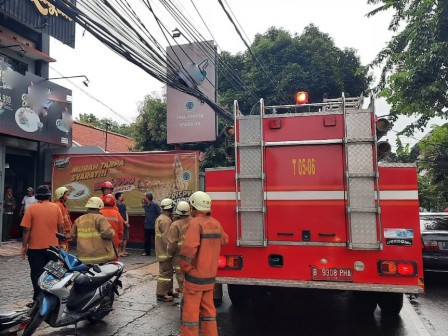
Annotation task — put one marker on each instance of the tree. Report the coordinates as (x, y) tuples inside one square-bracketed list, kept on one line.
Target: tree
[(434, 169), (307, 62), (414, 77), (113, 126), (149, 130)]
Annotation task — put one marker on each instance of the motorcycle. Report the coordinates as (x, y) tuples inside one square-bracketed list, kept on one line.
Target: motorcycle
[(13, 323), (73, 291)]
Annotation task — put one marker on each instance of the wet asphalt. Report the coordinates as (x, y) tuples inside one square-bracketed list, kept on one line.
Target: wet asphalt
[(291, 312)]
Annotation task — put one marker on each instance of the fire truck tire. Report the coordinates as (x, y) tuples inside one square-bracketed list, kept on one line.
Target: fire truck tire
[(238, 294), (390, 303), (364, 303)]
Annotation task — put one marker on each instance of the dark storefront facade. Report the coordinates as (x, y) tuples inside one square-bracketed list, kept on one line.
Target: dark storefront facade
[(35, 114)]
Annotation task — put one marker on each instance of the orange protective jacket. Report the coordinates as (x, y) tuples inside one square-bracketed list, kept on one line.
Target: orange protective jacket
[(116, 222), (65, 216), (200, 252)]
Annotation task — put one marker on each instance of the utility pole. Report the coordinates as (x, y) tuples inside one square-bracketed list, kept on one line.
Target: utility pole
[(107, 128)]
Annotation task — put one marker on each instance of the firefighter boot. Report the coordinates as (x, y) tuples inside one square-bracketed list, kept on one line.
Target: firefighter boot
[(165, 280)]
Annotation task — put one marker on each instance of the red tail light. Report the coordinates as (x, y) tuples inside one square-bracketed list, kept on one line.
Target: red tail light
[(405, 269), (430, 245), (222, 262), (397, 268), (230, 262)]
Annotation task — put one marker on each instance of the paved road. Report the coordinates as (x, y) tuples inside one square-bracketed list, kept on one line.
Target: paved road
[(15, 284), (308, 313), (433, 306), (296, 312)]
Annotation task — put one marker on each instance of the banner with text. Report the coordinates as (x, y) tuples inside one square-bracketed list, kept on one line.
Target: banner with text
[(172, 174)]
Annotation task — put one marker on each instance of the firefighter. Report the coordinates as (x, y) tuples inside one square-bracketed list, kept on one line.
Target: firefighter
[(199, 261), (175, 238), (93, 235), (115, 220), (165, 279), (106, 189), (61, 196)]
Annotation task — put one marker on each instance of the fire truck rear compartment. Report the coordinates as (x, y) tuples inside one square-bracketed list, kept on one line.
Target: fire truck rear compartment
[(308, 206)]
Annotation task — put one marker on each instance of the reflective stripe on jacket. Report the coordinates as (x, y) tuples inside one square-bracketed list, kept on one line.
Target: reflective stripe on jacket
[(175, 237), (93, 235), (116, 222), (200, 251), (163, 223)]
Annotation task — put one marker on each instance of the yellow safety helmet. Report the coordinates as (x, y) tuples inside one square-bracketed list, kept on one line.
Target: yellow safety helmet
[(182, 208), (201, 201), (167, 203), (59, 192), (94, 203)]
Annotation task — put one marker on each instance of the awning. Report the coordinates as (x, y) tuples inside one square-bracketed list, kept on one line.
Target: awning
[(6, 40)]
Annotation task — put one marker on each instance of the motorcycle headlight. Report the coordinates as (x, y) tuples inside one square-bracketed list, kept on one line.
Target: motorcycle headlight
[(47, 281)]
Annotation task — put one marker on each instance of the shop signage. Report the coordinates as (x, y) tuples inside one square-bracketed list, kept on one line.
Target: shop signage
[(47, 8), (42, 16), (173, 174), (188, 119), (34, 108)]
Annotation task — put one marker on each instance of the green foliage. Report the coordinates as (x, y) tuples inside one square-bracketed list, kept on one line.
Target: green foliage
[(149, 130), (414, 63), (307, 62), (434, 166), (431, 196), (105, 123), (403, 154)]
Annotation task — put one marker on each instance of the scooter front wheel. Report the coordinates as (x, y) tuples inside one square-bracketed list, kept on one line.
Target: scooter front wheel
[(35, 322)]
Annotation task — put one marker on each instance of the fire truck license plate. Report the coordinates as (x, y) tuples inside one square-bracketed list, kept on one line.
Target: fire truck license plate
[(332, 274)]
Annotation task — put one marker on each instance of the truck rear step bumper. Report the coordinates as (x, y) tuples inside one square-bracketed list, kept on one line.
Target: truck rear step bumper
[(322, 285)]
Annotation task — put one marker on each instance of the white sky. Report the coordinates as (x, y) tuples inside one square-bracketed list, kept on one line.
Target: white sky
[(121, 85)]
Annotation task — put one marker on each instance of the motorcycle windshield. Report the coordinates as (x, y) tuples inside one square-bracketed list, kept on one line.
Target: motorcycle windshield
[(72, 262)]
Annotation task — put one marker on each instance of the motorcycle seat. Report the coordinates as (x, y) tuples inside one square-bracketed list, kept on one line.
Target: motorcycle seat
[(107, 272), (6, 315)]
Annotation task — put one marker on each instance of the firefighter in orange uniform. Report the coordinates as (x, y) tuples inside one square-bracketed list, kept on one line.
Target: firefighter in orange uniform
[(199, 261), (176, 235), (114, 218), (106, 189), (165, 279), (61, 196)]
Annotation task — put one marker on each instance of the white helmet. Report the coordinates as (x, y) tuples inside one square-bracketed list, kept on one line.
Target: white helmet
[(201, 201), (59, 192), (94, 203), (167, 203), (182, 208)]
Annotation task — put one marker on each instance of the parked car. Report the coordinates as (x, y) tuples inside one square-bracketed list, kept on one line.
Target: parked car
[(434, 230)]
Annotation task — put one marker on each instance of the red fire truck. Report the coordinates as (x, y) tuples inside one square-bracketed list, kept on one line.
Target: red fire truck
[(308, 205)]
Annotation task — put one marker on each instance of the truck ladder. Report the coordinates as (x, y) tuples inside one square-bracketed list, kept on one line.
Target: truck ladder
[(361, 175), (250, 179)]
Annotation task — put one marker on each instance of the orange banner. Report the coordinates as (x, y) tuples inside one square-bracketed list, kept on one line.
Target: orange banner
[(172, 174)]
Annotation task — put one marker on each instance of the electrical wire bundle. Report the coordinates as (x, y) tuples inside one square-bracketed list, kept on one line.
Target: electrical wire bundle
[(117, 25)]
